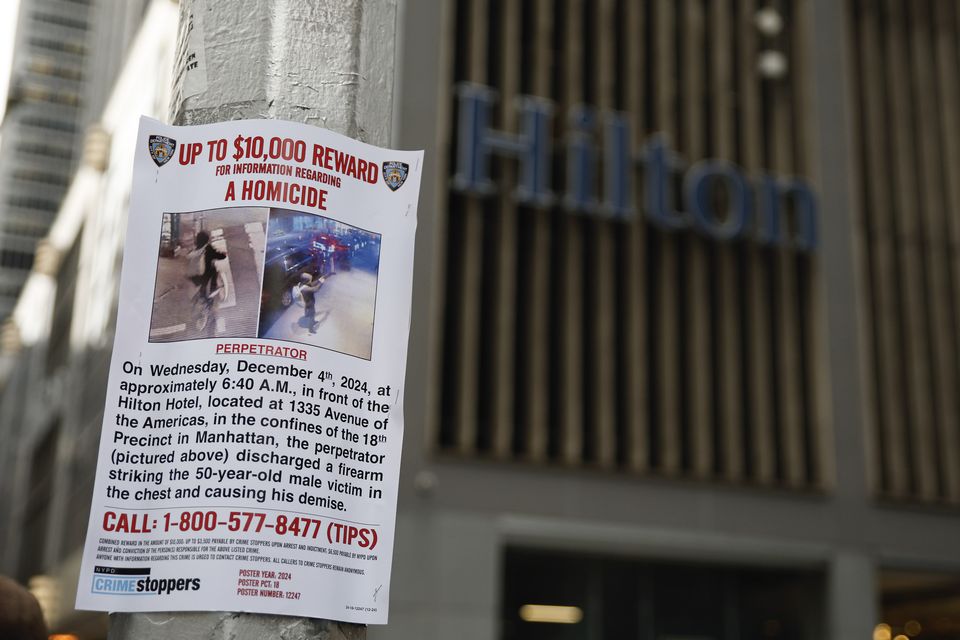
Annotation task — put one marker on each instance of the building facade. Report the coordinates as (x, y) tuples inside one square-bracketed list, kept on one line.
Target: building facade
[(58, 339), (683, 358), (66, 56)]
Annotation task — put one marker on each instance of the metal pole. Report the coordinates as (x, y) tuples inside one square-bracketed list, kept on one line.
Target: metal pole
[(328, 63)]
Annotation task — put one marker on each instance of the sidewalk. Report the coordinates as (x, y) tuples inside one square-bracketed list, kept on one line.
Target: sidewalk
[(345, 315)]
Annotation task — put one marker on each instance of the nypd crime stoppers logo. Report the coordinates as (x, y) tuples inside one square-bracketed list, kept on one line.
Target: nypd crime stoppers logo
[(136, 581), (161, 149), (395, 174)]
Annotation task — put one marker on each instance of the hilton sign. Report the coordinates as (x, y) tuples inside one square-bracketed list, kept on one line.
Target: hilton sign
[(754, 211)]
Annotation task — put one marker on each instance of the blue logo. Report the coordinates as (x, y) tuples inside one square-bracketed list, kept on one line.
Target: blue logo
[(395, 174), (118, 581), (770, 210), (130, 581), (161, 149)]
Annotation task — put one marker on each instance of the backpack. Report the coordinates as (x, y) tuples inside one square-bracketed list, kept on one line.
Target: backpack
[(195, 266), (298, 295)]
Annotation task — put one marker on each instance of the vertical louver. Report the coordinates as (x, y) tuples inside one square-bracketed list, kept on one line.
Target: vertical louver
[(605, 341), (906, 68)]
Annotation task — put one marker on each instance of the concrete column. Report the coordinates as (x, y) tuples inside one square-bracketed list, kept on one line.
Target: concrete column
[(222, 626), (833, 153), (852, 597), (328, 63)]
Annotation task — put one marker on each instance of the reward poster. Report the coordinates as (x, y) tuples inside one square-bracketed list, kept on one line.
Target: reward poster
[(251, 441)]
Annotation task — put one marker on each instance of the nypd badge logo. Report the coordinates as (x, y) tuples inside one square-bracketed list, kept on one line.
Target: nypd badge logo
[(161, 149), (395, 174)]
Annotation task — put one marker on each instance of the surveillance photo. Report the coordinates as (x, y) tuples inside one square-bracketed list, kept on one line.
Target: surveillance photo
[(319, 283), (209, 274)]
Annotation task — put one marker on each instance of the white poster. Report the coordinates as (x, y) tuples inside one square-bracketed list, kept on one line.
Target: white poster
[(251, 441)]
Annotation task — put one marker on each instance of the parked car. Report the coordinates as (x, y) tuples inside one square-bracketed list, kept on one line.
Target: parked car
[(281, 271)]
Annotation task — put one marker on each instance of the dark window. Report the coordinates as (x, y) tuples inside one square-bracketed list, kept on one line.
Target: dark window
[(43, 177), (61, 21), (45, 150), (607, 598), (28, 202), (49, 123), (15, 259), (59, 45)]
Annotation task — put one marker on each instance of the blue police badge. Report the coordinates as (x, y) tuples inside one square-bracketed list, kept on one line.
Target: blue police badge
[(395, 174), (161, 149)]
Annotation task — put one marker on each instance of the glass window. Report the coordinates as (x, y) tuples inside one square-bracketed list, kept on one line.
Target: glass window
[(918, 604), (557, 596)]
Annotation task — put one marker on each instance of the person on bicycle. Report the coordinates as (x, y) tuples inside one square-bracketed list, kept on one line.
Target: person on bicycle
[(207, 279)]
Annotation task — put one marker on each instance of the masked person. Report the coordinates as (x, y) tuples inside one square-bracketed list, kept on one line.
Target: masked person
[(307, 289), (204, 256)]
